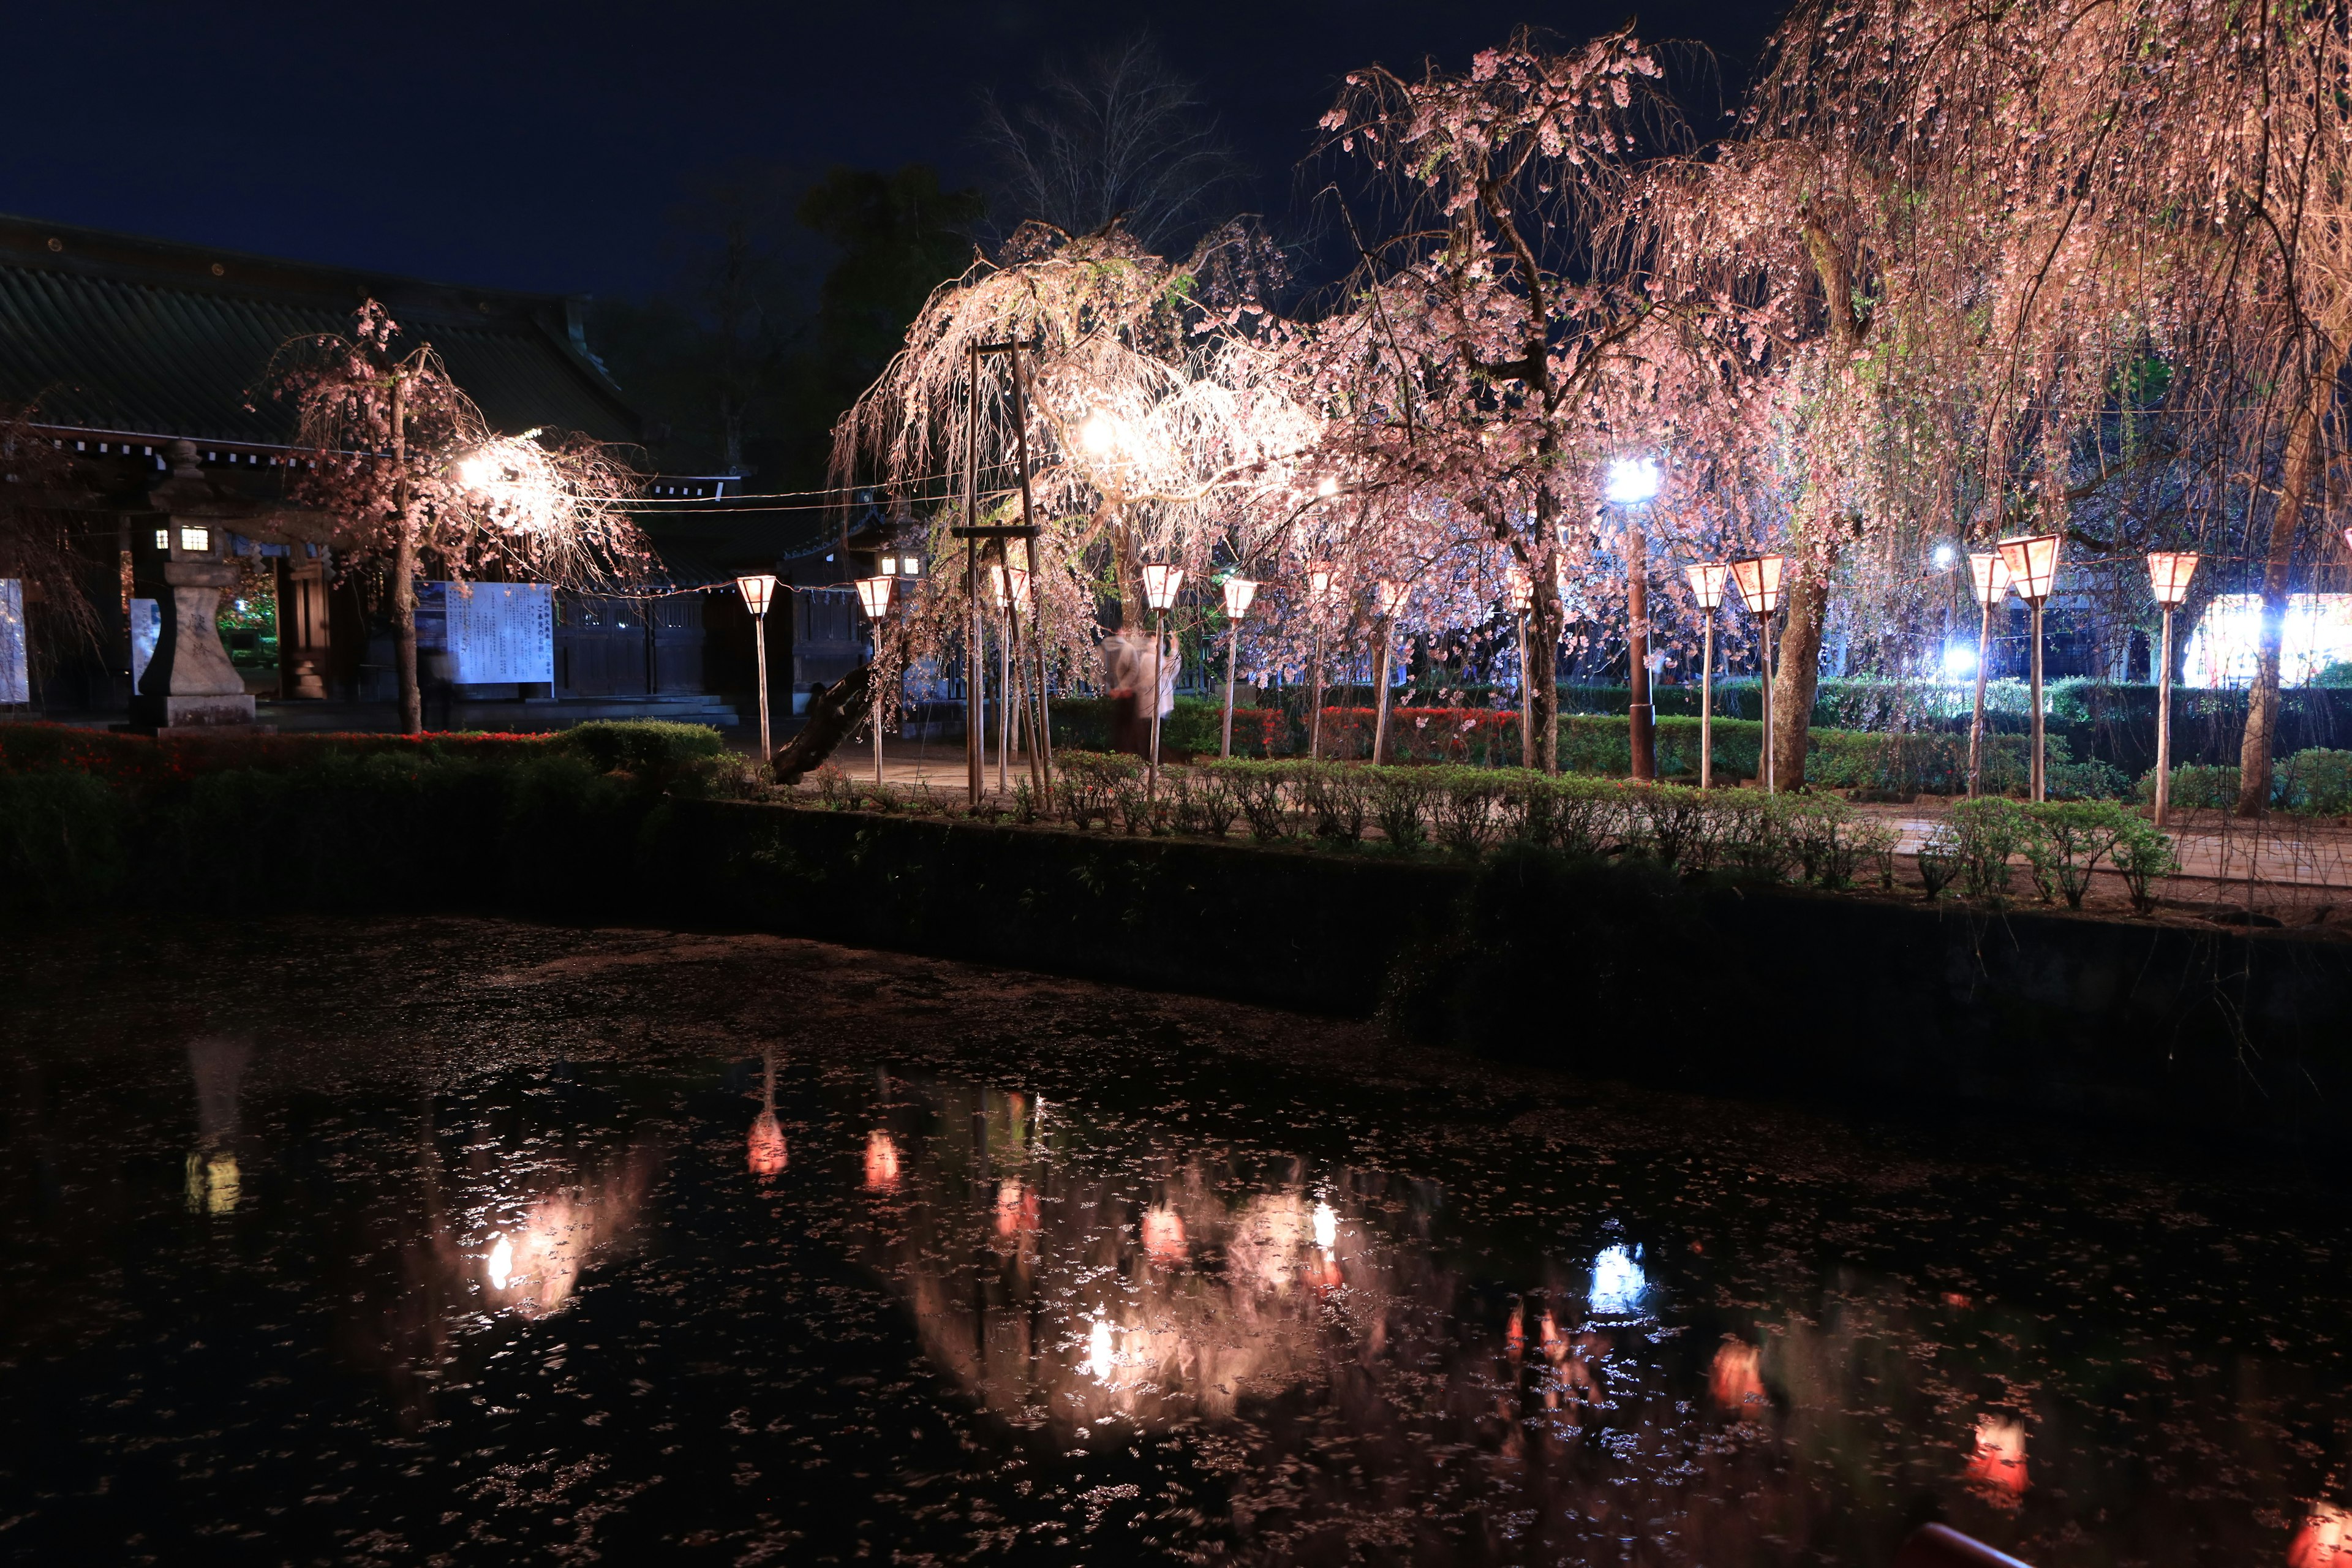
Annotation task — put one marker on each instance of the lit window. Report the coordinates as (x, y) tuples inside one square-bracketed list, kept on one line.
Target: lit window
[(163, 539), (195, 538)]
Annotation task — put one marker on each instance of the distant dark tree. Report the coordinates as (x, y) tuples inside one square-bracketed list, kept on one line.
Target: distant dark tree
[(790, 297), (1123, 136)]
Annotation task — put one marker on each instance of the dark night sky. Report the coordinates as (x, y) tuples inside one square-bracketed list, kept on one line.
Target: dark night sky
[(538, 146)]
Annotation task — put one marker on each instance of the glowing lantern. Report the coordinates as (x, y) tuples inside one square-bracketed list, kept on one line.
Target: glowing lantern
[(2032, 564), (1519, 590), (1707, 581), (1392, 596), (1758, 578), (1239, 593), (1990, 575), (874, 596), (1159, 585), (2169, 572)]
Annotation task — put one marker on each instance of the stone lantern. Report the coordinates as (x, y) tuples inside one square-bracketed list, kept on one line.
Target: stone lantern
[(179, 558)]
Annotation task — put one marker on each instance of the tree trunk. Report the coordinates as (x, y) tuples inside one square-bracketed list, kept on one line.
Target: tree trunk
[(2304, 454), (1797, 672), (404, 572), (1541, 671), (404, 633)]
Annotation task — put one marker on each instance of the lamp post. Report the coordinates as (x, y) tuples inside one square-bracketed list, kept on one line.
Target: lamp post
[(1159, 585), (1239, 592), (757, 588), (1707, 580), (1758, 580), (1631, 482), (1520, 589), (2032, 564), (873, 598), (1318, 600), (1391, 597), (1989, 574), (2169, 572)]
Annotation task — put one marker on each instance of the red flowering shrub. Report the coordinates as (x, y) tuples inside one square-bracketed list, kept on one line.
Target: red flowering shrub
[(1490, 735)]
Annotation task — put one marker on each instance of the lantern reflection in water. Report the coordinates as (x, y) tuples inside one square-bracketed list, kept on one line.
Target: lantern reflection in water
[(1736, 1379), (1998, 1466), (1163, 1237), (881, 1162), (213, 1183), (2324, 1540), (764, 1152)]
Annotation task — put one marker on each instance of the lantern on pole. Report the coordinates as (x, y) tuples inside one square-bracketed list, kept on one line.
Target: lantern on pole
[(1631, 483), (1989, 574), (1758, 579), (873, 598), (2032, 562), (1160, 581), (1390, 597), (2169, 572), (1239, 592), (757, 588), (1321, 590), (1707, 581)]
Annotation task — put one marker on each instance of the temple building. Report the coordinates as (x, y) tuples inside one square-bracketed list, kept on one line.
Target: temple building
[(143, 363)]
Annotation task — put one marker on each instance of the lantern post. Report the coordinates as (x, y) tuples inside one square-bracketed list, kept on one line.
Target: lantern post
[(1758, 579), (1159, 585), (1707, 581), (873, 598), (2169, 572), (757, 588), (1989, 576), (1319, 601), (1239, 592), (1632, 482), (2032, 564)]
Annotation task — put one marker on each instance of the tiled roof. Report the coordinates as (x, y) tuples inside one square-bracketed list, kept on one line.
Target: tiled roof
[(141, 337)]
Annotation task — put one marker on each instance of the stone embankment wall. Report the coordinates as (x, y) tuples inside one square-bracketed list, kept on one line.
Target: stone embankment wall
[(1620, 970)]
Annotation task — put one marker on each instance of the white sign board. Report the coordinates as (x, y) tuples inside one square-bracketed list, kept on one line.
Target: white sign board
[(14, 685), (146, 628), (499, 632)]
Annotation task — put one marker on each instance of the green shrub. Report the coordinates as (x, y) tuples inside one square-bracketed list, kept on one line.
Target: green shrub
[(2093, 780), (1940, 860), (1467, 808), (2198, 786), (656, 749), (2065, 842), (1259, 790), (1990, 830), (1753, 840), (2143, 853), (1673, 823), (1399, 798), (64, 840), (1090, 780), (1335, 797), (2316, 783)]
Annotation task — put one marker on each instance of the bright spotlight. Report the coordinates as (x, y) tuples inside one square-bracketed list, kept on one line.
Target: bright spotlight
[(477, 471), (1944, 557), (1632, 480), (1099, 434), (1326, 485), (1960, 661)]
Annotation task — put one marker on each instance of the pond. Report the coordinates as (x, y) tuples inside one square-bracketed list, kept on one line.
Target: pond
[(471, 1241)]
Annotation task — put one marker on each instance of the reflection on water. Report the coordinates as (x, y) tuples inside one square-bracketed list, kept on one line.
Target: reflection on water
[(562, 1306)]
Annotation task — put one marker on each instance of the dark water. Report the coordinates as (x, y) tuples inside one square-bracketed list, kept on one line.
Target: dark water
[(418, 1243)]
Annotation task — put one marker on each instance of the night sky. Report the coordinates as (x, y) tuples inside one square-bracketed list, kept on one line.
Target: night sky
[(540, 147)]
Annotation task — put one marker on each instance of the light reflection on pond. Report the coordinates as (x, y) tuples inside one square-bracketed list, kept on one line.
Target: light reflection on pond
[(800, 1301)]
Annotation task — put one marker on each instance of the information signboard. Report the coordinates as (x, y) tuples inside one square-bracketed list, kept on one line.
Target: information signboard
[(15, 685), (499, 632)]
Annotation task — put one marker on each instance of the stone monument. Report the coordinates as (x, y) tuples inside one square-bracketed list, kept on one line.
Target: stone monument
[(179, 558)]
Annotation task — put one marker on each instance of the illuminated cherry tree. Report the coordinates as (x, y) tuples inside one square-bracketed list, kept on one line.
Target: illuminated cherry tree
[(417, 480)]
